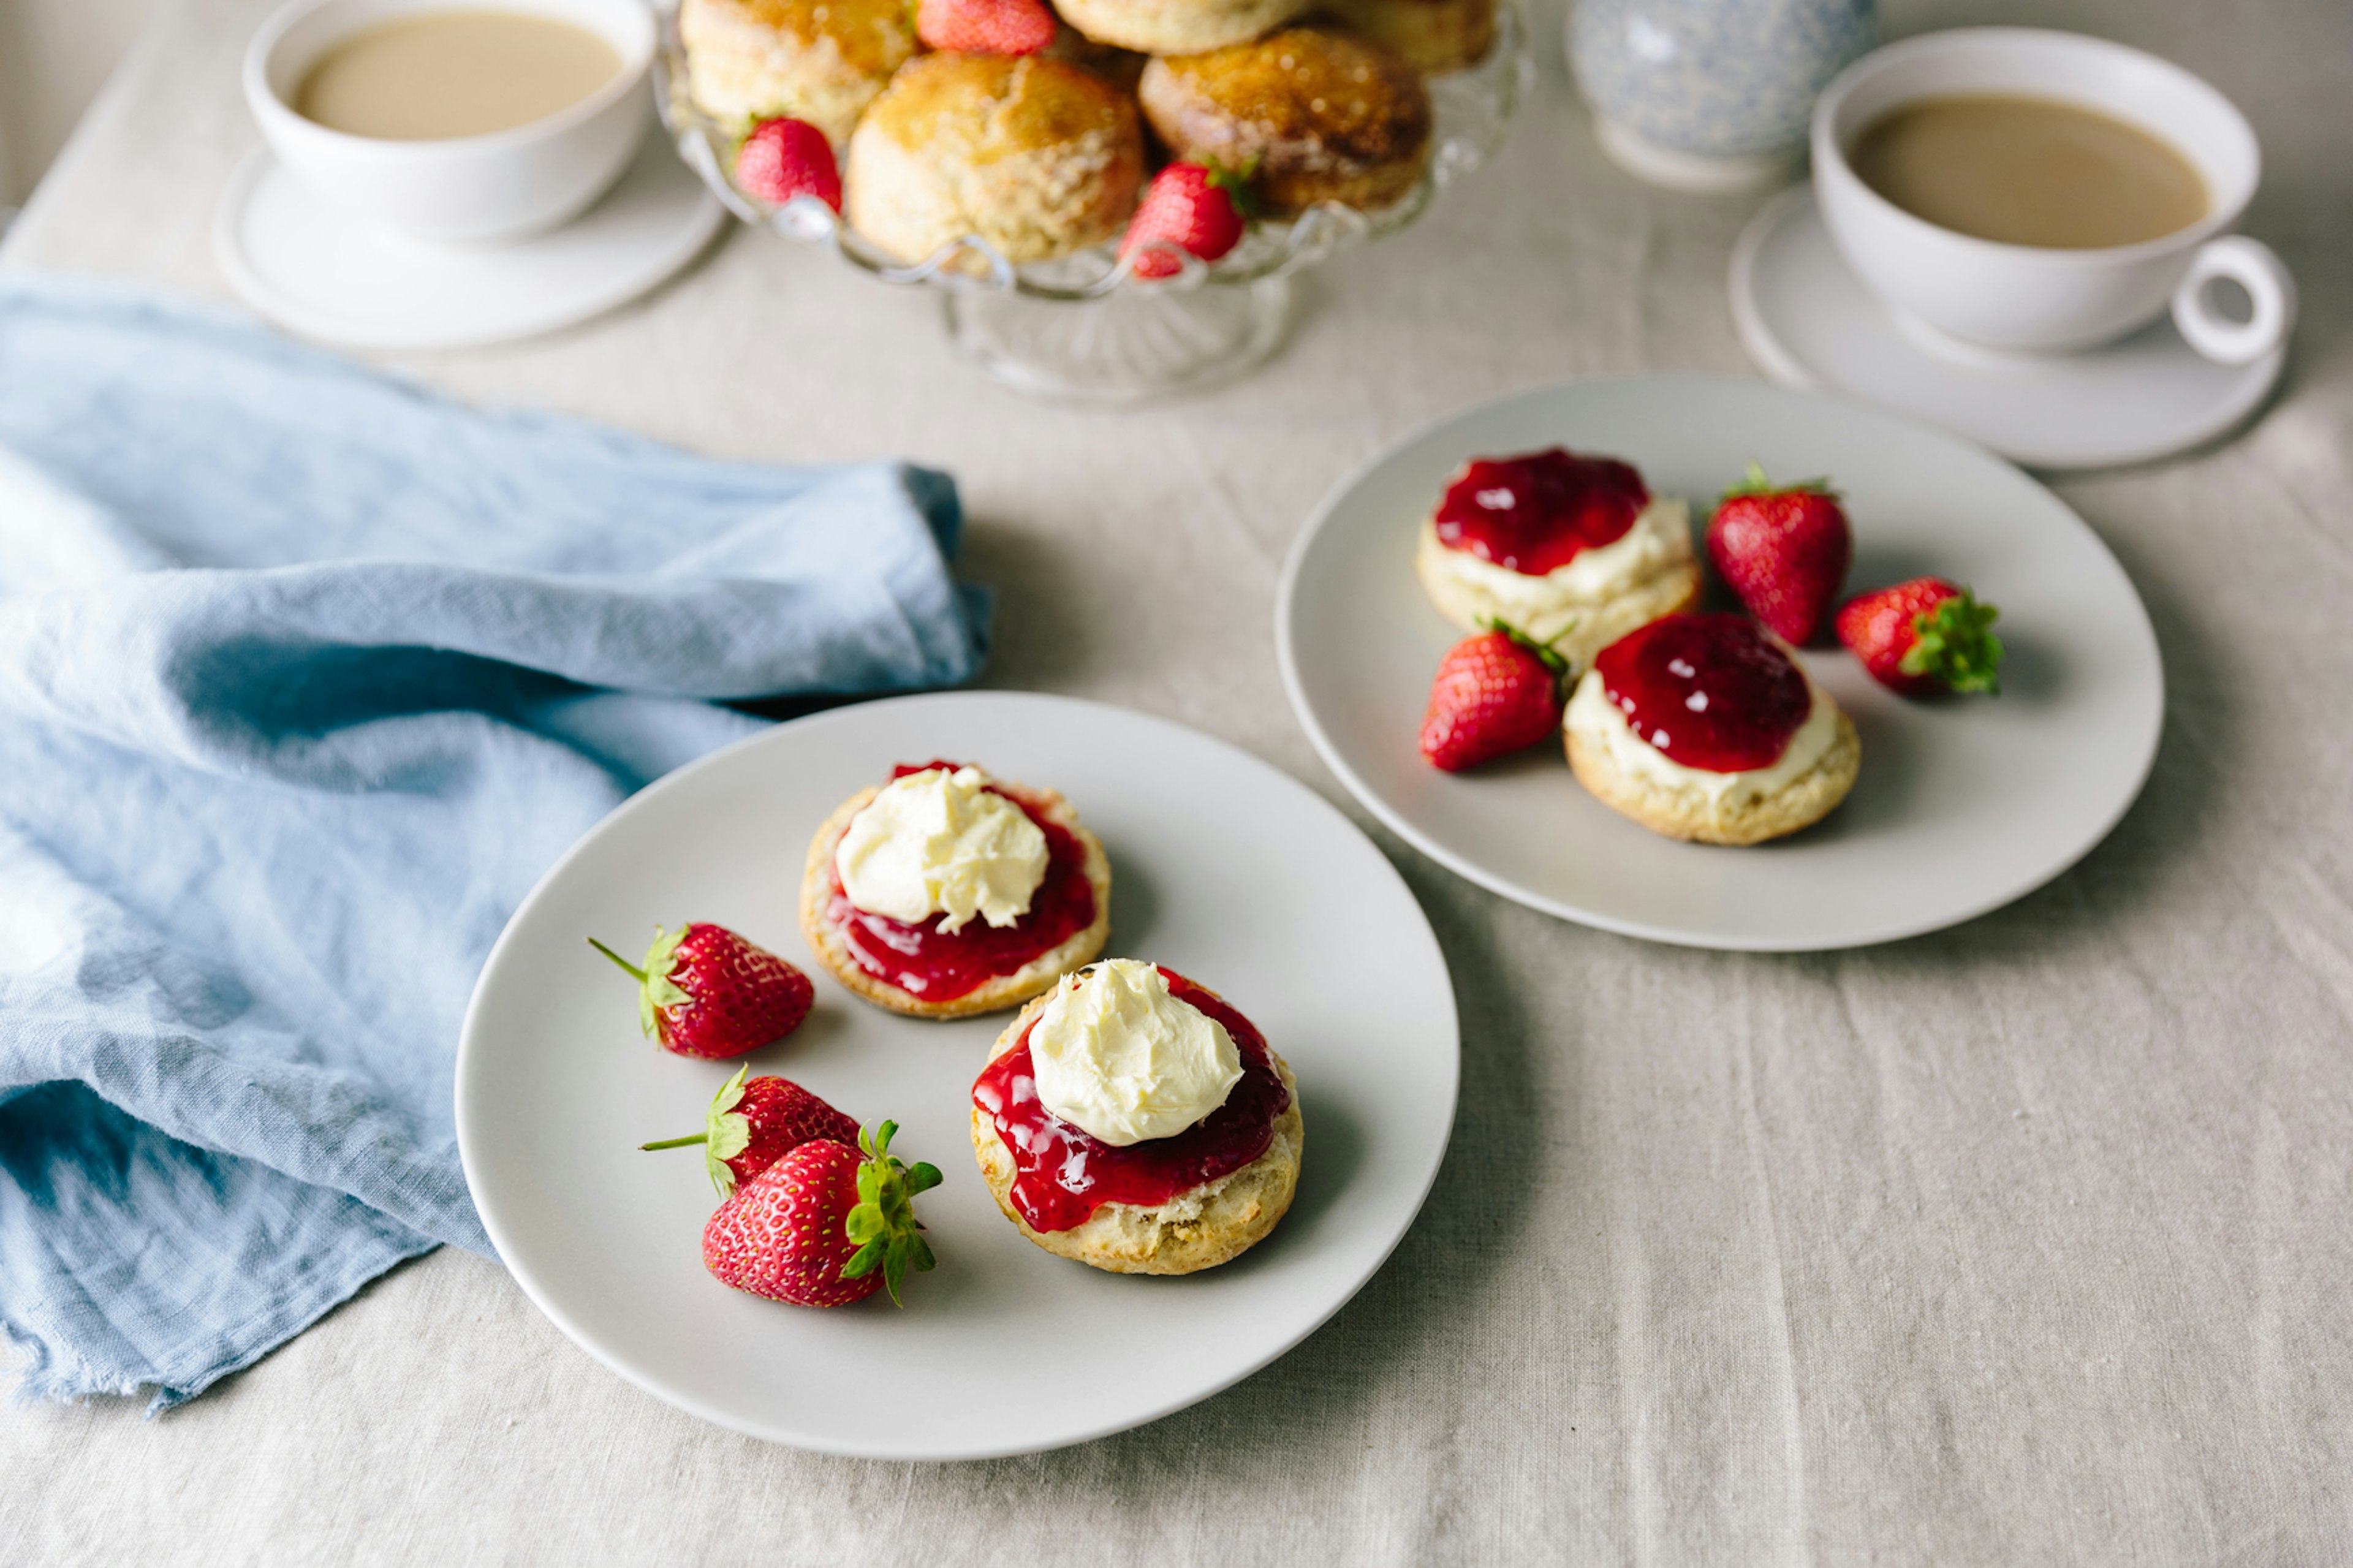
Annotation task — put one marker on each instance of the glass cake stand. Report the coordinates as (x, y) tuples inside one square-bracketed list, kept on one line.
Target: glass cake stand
[(1080, 328)]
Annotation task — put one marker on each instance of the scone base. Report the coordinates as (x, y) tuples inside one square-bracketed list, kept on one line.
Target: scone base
[(1689, 816), (1578, 632)]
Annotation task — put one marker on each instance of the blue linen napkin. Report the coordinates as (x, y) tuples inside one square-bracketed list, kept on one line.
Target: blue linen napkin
[(306, 675)]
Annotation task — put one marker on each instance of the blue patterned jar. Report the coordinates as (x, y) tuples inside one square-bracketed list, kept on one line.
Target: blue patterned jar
[(1711, 95)]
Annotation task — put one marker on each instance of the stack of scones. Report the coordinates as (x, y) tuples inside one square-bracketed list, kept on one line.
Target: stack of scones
[(1044, 155)]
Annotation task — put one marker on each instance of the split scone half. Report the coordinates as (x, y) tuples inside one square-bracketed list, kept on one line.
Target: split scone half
[(1574, 551), (1705, 728), (964, 912), (1200, 1119)]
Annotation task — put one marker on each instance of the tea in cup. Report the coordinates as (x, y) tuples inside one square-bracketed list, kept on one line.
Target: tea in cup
[(2042, 192)]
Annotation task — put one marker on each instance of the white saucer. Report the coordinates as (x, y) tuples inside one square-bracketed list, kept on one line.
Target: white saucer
[(314, 268), (1809, 322)]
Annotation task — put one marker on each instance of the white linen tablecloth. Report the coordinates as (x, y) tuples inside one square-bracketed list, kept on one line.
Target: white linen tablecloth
[(2028, 1242)]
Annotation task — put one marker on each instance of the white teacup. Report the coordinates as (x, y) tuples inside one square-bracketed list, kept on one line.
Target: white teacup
[(2028, 299), (468, 190)]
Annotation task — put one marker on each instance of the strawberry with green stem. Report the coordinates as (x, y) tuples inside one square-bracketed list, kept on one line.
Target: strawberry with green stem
[(1924, 637), (705, 992), (824, 1225), (1495, 693), (753, 1124)]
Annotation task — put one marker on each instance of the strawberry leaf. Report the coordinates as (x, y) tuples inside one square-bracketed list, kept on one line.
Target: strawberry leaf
[(883, 1223), (1756, 484), (1955, 644)]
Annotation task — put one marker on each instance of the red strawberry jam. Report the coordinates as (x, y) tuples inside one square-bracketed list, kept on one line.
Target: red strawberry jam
[(1711, 692), (939, 965), (1061, 1175), (1530, 514)]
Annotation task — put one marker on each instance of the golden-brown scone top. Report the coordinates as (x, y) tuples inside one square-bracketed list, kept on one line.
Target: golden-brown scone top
[(1177, 26), (1432, 36), (1037, 156), (818, 60), (825, 940), (1327, 114), (1209, 1224)]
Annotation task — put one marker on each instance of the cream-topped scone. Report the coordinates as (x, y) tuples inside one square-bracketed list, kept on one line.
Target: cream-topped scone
[(1575, 551), (946, 892), (1136, 1122), (1707, 728)]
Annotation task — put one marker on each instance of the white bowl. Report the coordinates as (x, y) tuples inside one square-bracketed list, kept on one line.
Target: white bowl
[(467, 190), (2030, 299)]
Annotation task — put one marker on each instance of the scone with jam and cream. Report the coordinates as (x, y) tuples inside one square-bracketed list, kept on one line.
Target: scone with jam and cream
[(1134, 1121), (1706, 728), (945, 892), (1575, 552)]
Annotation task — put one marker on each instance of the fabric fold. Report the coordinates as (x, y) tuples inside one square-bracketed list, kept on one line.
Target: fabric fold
[(306, 675)]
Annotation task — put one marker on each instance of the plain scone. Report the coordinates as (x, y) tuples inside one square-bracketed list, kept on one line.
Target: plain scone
[(1597, 624), (1690, 815), (1325, 114), (1200, 1229), (1032, 979), (1433, 35), (1177, 26), (1037, 156), (818, 60)]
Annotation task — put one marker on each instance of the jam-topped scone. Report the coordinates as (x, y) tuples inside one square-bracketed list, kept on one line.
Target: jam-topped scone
[(1575, 552), (1317, 113), (1706, 728), (818, 60), (1134, 1121), (945, 892)]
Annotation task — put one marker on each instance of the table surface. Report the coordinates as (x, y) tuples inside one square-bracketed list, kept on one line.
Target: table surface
[(2025, 1242)]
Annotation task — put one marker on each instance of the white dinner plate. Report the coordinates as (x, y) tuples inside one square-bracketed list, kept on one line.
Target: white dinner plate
[(1962, 806), (1223, 868)]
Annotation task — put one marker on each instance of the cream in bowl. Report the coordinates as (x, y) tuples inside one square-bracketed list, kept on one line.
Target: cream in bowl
[(2042, 192), (462, 124)]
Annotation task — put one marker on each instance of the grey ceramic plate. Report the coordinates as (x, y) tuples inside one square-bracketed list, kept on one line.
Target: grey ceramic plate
[(1961, 806), (1222, 866)]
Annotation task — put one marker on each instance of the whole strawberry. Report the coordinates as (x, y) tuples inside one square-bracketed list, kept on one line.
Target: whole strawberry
[(1495, 693), (785, 158), (823, 1227), (705, 992), (1785, 550), (1922, 636), (753, 1125), (985, 26), (1197, 207)]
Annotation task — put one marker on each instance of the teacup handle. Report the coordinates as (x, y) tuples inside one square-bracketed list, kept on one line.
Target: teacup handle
[(2254, 267)]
